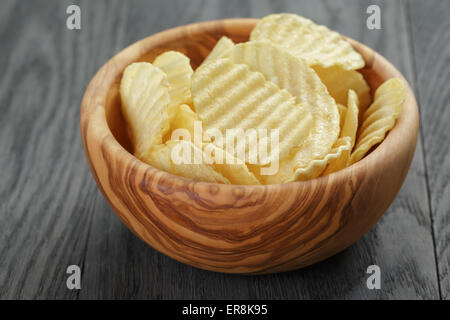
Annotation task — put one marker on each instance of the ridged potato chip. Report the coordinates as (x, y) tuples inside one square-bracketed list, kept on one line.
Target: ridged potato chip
[(380, 117), (144, 92), (179, 72), (315, 44), (349, 129), (338, 81), (162, 157), (222, 47), (292, 74), (316, 167), (228, 96), (236, 171)]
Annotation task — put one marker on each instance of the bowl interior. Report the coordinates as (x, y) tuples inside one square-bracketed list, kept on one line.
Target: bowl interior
[(196, 43)]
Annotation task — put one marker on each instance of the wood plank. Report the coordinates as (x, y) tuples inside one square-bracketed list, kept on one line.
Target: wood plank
[(47, 195), (118, 265), (431, 39)]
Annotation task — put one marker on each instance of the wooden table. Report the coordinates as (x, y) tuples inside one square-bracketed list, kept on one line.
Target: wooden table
[(52, 215)]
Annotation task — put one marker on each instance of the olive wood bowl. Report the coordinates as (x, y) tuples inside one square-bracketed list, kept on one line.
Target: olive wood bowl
[(232, 228)]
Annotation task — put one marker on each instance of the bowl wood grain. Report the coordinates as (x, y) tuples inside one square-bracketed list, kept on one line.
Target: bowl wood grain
[(230, 228)]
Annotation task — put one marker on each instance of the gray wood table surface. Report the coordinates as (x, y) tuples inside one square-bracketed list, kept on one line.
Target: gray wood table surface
[(52, 215)]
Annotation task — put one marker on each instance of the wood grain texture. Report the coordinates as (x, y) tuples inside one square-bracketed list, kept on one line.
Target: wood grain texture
[(116, 264), (431, 39), (47, 195)]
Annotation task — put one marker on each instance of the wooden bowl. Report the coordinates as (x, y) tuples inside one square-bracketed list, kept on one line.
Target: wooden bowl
[(231, 228)]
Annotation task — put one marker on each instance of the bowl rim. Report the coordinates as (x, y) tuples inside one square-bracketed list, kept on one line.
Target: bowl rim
[(94, 99)]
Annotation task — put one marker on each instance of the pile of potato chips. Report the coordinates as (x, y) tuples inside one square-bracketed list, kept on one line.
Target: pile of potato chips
[(293, 76)]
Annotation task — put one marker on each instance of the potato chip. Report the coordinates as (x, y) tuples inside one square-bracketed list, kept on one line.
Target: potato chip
[(179, 72), (229, 96), (342, 110), (349, 129), (235, 170), (288, 172), (167, 157), (338, 81), (222, 47), (316, 167), (144, 92), (380, 117), (315, 44), (291, 73), (351, 117), (184, 119)]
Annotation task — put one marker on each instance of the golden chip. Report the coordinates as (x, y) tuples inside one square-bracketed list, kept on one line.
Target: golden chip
[(316, 167), (222, 47), (315, 44), (338, 81), (230, 96), (170, 156), (380, 117), (235, 170), (351, 117), (179, 72), (290, 73), (349, 129), (144, 93), (184, 119), (342, 110)]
